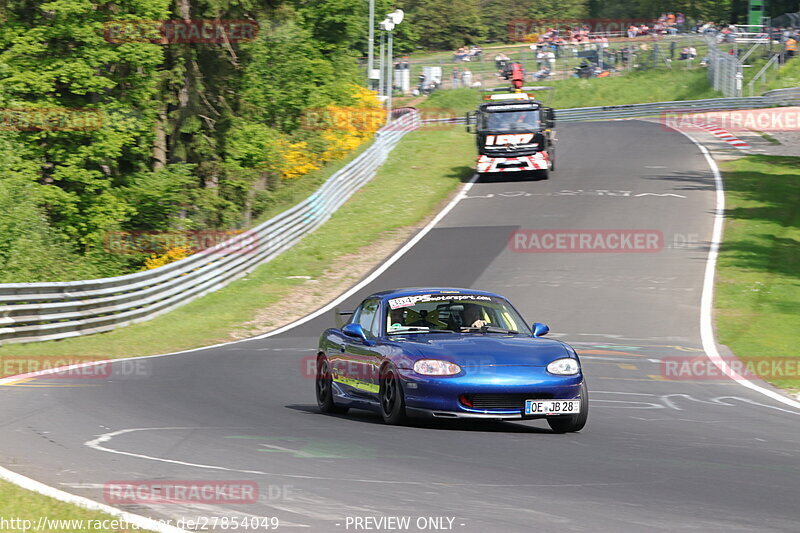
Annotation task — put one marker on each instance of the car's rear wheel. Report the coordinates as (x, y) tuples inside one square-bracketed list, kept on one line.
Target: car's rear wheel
[(393, 406), (324, 386), (567, 424)]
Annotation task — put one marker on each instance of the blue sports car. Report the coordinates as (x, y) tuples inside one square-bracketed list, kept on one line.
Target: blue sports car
[(448, 353)]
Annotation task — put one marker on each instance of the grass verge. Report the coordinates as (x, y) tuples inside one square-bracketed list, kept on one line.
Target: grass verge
[(408, 187), (635, 88), (758, 276), (788, 75), (18, 505)]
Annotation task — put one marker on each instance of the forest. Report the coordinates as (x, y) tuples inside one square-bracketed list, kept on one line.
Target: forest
[(114, 124)]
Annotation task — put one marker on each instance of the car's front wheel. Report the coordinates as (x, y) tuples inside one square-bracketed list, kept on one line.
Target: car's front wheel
[(570, 423), (393, 406), (324, 386)]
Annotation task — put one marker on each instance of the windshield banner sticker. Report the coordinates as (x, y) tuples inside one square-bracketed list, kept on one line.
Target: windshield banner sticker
[(408, 301)]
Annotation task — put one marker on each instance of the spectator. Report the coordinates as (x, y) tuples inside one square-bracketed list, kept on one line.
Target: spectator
[(791, 47), (543, 73), (420, 84), (466, 77), (541, 57), (551, 58), (501, 61), (455, 77)]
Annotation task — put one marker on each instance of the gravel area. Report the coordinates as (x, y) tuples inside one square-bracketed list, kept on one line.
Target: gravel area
[(790, 143)]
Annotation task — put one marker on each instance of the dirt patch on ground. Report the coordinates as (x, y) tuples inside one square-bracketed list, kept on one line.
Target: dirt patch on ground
[(344, 272)]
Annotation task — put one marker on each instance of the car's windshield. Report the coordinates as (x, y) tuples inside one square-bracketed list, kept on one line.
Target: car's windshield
[(510, 120), (465, 313)]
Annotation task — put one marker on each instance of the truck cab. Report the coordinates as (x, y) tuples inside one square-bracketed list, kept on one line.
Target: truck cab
[(514, 132)]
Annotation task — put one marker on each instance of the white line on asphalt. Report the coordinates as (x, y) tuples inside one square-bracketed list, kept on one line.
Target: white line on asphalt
[(707, 299), (366, 281), (153, 525), (381, 269), (140, 522)]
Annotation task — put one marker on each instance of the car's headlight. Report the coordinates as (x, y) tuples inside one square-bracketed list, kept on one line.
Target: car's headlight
[(564, 367), (434, 367)]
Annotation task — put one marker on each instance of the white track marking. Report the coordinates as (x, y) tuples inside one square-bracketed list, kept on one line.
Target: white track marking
[(707, 299), (95, 444), (363, 283), (630, 404), (52, 492), (153, 525), (384, 266)]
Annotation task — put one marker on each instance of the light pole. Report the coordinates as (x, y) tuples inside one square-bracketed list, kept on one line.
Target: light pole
[(392, 19), (371, 45), (381, 70)]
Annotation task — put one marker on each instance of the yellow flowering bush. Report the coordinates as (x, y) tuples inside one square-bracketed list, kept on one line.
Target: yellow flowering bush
[(297, 159), (351, 126), (170, 256), (343, 129)]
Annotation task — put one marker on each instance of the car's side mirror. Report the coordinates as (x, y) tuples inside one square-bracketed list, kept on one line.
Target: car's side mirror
[(470, 120), (539, 329), (356, 331)]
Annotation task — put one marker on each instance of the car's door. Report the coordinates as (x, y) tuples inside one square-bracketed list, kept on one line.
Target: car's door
[(359, 362)]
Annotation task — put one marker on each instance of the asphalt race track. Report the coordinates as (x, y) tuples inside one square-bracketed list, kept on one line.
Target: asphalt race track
[(656, 455)]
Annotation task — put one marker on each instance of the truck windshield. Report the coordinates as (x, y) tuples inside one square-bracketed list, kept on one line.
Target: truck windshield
[(510, 120)]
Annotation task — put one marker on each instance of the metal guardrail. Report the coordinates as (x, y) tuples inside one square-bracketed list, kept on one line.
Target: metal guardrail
[(57, 310), (775, 98), (46, 311)]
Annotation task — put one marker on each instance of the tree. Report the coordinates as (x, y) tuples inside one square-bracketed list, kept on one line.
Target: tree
[(444, 24)]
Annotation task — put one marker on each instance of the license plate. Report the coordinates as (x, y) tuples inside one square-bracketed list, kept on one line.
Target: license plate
[(552, 407)]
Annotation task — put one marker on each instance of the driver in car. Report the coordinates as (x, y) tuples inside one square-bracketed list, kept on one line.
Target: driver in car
[(473, 316)]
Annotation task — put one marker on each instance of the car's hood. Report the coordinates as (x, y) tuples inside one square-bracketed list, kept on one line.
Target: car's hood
[(478, 349)]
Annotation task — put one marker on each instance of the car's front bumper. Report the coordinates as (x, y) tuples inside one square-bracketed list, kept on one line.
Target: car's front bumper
[(439, 396), (432, 413)]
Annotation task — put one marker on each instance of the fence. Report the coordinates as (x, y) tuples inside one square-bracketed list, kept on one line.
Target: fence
[(730, 57), (724, 71), (620, 54), (56, 310)]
